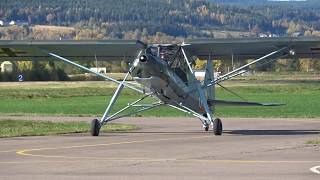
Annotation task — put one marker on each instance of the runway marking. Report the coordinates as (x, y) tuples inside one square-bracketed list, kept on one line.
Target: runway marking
[(315, 169), (27, 152), (36, 162), (79, 161), (8, 151), (161, 160)]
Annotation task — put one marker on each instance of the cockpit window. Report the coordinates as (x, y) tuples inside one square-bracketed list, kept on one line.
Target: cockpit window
[(173, 56), (152, 50)]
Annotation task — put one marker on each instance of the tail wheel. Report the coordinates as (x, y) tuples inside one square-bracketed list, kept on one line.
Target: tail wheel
[(217, 127), (95, 127)]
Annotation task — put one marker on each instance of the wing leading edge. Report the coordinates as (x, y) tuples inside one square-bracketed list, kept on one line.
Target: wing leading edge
[(75, 50), (224, 49), (249, 48)]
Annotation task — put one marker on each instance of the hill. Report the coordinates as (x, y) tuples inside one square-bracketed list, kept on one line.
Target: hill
[(127, 19)]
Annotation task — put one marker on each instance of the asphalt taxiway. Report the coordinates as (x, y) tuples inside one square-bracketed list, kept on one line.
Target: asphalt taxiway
[(169, 148)]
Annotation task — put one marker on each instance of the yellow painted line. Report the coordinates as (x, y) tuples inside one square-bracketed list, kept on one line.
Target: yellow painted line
[(26, 152), (100, 158), (166, 160), (90, 159), (36, 162), (8, 151)]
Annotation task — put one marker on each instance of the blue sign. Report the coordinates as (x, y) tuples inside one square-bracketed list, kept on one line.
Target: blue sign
[(20, 77)]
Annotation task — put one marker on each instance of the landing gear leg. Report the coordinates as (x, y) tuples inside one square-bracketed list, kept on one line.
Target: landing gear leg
[(217, 127), (96, 124), (95, 127), (205, 124), (206, 127)]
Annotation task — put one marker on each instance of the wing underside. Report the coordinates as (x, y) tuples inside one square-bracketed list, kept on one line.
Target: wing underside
[(75, 50), (249, 48), (224, 49)]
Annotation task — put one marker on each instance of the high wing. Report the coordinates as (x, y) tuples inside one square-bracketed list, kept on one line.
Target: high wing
[(75, 50), (224, 49), (250, 48)]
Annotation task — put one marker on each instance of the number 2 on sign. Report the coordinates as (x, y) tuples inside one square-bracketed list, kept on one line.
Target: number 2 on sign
[(20, 78)]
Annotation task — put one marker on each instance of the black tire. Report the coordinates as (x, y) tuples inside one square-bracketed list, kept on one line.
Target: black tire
[(217, 127), (95, 127)]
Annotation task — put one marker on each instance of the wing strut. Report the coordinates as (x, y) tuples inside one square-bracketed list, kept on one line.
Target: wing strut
[(97, 124), (94, 72), (283, 52)]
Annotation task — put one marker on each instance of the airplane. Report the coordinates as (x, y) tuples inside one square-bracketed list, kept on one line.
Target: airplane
[(165, 71)]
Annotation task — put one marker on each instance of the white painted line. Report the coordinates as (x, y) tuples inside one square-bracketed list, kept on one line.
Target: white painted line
[(315, 169)]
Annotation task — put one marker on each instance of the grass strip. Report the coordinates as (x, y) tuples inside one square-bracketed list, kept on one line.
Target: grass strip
[(91, 98), (15, 128)]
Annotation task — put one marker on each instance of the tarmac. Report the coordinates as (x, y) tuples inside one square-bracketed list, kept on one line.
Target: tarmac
[(169, 148)]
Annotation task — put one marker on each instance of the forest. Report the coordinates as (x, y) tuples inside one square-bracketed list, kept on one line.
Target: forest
[(160, 21), (177, 18)]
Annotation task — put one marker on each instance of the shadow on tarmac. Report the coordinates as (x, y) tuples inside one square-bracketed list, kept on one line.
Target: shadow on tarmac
[(273, 132), (228, 132)]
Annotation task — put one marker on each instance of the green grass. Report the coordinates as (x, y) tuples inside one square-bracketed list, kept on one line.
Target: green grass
[(14, 128), (90, 99), (302, 100), (313, 142)]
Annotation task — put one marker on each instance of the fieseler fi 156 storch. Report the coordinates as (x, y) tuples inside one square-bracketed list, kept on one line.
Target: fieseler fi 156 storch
[(164, 71)]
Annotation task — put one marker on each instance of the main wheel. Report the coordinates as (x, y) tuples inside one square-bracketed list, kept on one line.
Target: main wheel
[(95, 127), (217, 127)]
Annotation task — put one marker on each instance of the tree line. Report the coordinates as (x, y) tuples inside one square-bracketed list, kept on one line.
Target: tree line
[(173, 17), (152, 21)]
